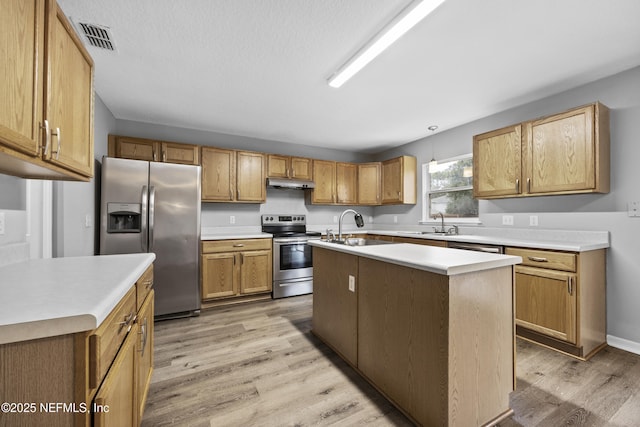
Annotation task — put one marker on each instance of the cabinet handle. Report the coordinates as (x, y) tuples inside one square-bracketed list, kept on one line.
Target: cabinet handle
[(537, 259), (58, 134), (143, 332), (148, 284), (528, 185), (155, 155), (47, 137), (164, 156), (517, 185), (128, 321), (570, 285), (238, 245)]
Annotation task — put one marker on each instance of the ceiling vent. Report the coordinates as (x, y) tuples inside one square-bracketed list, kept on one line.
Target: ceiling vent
[(97, 35)]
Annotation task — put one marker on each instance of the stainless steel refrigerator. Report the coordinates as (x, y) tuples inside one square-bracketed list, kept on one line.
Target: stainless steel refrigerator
[(155, 207)]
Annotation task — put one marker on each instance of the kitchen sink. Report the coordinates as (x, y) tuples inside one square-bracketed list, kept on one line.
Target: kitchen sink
[(359, 241)]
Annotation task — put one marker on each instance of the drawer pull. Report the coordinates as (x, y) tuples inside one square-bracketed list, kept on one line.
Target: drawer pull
[(537, 259), (239, 245), (128, 321), (148, 284)]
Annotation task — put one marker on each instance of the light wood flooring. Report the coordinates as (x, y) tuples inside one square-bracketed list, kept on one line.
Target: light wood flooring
[(258, 364)]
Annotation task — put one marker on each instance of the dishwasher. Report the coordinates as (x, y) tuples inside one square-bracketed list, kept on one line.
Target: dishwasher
[(492, 249)]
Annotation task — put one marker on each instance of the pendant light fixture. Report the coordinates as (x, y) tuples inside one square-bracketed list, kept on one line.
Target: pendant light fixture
[(399, 25), (433, 163)]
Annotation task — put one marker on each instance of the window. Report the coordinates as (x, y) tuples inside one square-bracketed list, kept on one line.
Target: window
[(448, 189)]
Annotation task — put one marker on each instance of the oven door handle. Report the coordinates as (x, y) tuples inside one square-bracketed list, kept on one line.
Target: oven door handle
[(293, 239)]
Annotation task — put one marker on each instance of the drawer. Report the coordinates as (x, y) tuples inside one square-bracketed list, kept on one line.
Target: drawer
[(545, 259), (213, 246), (144, 286), (106, 340)]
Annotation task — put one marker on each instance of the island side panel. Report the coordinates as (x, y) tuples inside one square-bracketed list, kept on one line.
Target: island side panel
[(481, 346), (402, 337), (335, 309)]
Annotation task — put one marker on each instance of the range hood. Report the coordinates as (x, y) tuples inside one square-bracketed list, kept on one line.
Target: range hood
[(292, 184)]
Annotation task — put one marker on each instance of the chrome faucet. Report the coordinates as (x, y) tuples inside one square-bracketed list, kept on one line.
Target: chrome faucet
[(442, 222), (358, 218)]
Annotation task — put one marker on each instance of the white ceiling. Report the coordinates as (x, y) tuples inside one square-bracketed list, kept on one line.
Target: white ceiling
[(258, 68)]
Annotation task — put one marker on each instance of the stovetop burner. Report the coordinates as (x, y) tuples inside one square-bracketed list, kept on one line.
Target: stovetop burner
[(287, 226)]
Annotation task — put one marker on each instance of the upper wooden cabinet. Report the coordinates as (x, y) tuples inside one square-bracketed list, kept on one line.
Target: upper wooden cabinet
[(324, 175), (279, 166), (399, 181), (369, 184), (346, 183), (561, 154), (153, 151), (233, 176), (46, 118)]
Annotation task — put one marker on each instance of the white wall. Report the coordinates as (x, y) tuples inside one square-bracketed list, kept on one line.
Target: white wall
[(621, 93)]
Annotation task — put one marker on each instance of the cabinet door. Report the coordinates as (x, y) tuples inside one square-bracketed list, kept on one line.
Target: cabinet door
[(399, 180), (369, 183), (21, 86), (185, 154), (144, 352), (219, 277), (346, 183), (561, 152), (69, 104), (324, 173), (136, 149), (277, 166), (114, 403), (497, 163), (546, 302), (218, 174), (255, 271), (301, 168), (250, 178)]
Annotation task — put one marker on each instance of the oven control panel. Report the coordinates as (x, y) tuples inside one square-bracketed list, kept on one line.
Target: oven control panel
[(272, 219)]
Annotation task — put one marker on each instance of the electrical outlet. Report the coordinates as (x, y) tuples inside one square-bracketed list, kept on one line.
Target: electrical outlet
[(634, 208), (395, 218), (1, 223), (507, 219), (232, 219), (352, 283), (533, 220)]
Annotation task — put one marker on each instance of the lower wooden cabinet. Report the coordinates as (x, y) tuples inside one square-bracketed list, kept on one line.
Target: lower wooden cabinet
[(561, 299), (233, 268)]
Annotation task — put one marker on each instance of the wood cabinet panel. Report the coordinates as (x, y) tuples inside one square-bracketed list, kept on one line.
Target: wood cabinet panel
[(70, 98), (250, 178), (279, 166), (218, 275), (255, 267), (564, 261), (324, 173), (497, 162), (335, 313), (133, 148), (117, 392), (185, 154), (144, 352), (546, 302), (369, 184), (22, 39), (302, 168), (399, 181), (218, 174), (346, 183)]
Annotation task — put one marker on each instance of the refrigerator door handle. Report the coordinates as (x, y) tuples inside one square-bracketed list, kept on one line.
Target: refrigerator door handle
[(144, 203), (152, 211)]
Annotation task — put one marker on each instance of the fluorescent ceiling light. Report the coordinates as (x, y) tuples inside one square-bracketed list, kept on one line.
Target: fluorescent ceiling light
[(402, 23)]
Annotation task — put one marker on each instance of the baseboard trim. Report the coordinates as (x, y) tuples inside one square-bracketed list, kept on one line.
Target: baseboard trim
[(622, 344)]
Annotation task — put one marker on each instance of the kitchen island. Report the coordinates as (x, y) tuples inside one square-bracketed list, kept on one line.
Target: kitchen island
[(431, 328), (76, 340)]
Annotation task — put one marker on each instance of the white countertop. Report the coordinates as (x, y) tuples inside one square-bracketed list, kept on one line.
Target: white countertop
[(56, 296), (229, 233), (561, 240), (435, 259)]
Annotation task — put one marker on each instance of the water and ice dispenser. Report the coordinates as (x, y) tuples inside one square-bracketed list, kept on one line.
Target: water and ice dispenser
[(124, 218)]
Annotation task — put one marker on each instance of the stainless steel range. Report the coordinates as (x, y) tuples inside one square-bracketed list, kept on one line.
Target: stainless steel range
[(292, 259)]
